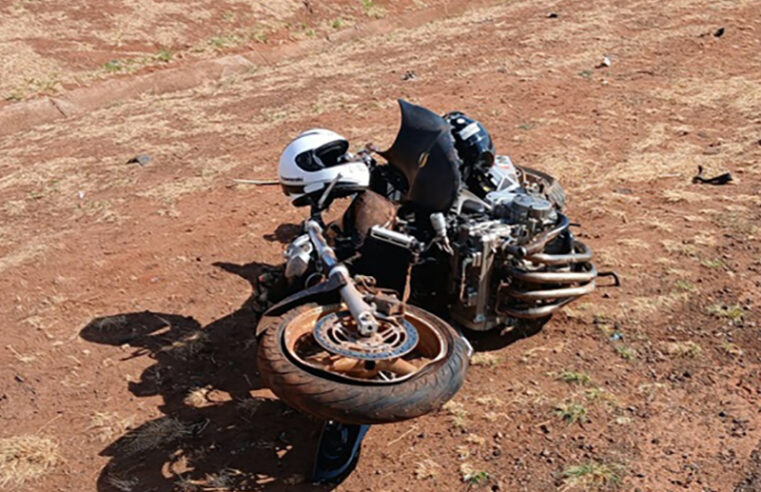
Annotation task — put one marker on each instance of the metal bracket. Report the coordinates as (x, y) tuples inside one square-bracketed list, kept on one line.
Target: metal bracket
[(616, 279)]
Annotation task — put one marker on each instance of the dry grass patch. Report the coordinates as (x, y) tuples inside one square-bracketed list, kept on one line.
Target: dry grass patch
[(427, 469), (592, 476), (154, 435), (733, 312), (684, 196), (609, 258), (737, 92), (680, 248), (659, 225), (687, 349), (189, 346), (664, 158), (370, 9), (633, 242), (485, 359), (475, 439), (651, 390), (489, 401), (198, 397), (731, 349), (626, 352), (713, 264), (25, 458), (124, 484), (682, 285), (599, 395), (201, 175), (457, 412), (646, 305), (104, 426), (574, 377)]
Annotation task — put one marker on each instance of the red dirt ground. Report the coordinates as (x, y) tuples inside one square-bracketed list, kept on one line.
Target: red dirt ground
[(126, 308)]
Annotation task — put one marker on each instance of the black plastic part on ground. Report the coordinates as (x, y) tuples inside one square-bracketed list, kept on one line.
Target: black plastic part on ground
[(337, 451)]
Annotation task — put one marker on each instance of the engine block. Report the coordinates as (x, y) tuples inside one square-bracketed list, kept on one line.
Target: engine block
[(477, 254)]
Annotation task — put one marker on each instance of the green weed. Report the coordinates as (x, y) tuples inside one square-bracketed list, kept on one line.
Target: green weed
[(593, 475), (574, 377), (572, 413), (733, 312)]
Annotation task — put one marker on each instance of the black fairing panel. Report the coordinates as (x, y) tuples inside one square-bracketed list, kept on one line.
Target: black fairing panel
[(424, 153)]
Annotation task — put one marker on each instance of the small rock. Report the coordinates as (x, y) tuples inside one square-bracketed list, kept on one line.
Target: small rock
[(552, 15), (719, 32), (409, 75), (18, 378), (605, 62), (140, 159)]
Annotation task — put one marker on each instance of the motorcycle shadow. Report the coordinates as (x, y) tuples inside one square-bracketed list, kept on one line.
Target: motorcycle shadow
[(284, 233), (488, 341), (213, 435)]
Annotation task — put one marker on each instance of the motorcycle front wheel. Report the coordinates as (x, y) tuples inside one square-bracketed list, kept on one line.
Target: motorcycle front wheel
[(332, 386)]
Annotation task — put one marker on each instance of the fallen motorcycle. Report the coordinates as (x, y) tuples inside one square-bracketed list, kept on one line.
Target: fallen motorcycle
[(444, 235)]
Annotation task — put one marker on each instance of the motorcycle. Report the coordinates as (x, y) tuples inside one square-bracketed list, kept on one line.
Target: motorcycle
[(368, 327)]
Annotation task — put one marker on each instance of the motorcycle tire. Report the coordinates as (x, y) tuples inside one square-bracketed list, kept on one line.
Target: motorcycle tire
[(350, 402)]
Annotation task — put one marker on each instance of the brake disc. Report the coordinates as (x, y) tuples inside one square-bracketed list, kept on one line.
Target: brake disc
[(338, 334)]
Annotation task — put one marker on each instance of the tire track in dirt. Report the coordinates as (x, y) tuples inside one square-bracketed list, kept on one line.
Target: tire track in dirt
[(24, 115)]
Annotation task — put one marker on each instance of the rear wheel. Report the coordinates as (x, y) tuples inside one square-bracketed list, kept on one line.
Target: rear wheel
[(305, 358)]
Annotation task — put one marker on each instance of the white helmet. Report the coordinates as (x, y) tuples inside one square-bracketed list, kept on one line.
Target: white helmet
[(313, 160)]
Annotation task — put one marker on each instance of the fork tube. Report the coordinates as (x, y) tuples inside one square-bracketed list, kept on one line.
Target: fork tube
[(361, 311)]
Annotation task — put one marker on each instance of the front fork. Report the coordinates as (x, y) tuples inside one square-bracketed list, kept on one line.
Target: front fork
[(362, 312)]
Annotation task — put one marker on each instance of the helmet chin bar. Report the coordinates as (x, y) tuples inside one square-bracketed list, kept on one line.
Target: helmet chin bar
[(362, 312)]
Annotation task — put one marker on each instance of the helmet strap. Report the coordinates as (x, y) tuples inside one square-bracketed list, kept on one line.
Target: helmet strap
[(325, 200)]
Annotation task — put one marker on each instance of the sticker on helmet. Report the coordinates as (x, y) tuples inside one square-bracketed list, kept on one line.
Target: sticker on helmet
[(423, 160), (469, 131)]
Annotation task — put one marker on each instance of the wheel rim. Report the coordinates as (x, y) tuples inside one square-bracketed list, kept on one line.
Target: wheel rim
[(321, 340)]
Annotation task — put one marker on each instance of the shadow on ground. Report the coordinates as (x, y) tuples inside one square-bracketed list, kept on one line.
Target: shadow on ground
[(495, 339), (214, 435), (284, 233)]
